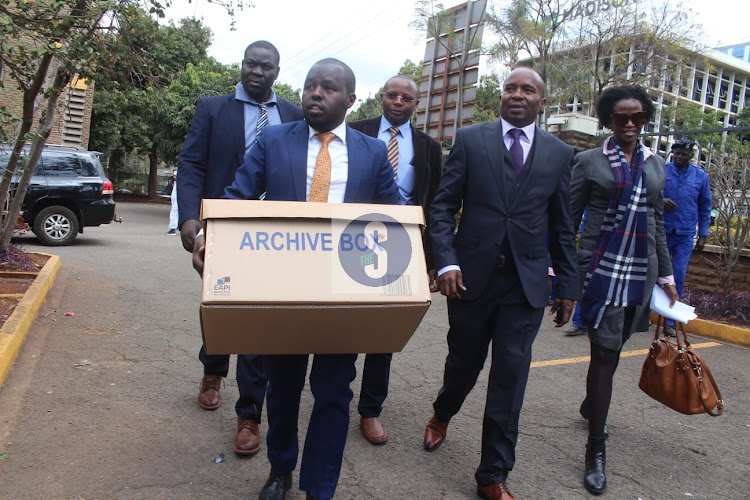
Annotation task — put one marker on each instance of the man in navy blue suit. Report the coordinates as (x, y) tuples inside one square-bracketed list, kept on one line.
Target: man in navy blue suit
[(223, 129), (286, 163)]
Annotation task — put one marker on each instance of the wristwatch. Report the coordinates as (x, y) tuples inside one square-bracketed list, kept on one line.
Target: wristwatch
[(671, 283)]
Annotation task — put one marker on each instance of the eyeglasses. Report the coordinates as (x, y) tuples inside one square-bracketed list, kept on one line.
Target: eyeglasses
[(392, 96), (622, 119)]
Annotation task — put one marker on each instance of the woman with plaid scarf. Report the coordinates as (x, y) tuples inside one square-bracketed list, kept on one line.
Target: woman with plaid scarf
[(622, 252)]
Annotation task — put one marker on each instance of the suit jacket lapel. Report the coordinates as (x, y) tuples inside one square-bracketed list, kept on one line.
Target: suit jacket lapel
[(419, 163), (493, 140), (298, 158), (354, 149), (236, 124)]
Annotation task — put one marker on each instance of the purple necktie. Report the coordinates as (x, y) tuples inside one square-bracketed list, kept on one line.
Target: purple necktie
[(516, 151)]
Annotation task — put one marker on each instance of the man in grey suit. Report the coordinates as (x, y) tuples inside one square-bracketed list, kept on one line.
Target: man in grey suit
[(513, 181)]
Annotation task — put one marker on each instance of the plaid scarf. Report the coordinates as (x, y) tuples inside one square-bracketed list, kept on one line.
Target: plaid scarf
[(617, 272)]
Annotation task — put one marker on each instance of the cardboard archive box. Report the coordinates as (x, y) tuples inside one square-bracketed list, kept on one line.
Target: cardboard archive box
[(319, 278)]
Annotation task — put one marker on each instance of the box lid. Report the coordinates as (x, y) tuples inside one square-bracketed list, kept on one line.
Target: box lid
[(243, 209)]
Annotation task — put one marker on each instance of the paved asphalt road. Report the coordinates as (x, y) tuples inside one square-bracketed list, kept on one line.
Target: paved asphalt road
[(101, 405)]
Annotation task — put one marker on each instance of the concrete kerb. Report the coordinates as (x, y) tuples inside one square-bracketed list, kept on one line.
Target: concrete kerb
[(717, 331), (17, 326)]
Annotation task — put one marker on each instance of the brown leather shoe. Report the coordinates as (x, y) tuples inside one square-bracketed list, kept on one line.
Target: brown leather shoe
[(209, 397), (495, 491), (434, 434), (247, 441), (373, 430)]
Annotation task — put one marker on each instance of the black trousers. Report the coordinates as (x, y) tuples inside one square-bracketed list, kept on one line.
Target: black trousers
[(375, 378), (251, 381), (503, 317)]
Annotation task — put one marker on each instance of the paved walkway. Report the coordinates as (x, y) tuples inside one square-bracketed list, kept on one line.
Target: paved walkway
[(101, 405)]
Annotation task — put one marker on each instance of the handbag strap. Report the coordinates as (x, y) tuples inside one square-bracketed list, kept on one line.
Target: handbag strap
[(661, 324), (702, 367)]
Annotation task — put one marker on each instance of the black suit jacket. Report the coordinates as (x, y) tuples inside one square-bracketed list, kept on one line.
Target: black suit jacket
[(535, 205), (214, 149), (428, 167)]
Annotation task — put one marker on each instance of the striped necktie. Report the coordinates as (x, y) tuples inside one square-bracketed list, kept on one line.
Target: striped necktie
[(262, 120), (321, 181), (393, 151)]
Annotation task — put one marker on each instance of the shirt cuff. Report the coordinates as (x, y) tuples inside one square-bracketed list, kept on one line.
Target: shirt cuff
[(452, 267), (200, 232), (665, 280), (550, 271)]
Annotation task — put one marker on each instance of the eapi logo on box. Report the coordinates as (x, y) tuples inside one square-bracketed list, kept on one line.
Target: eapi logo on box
[(222, 286)]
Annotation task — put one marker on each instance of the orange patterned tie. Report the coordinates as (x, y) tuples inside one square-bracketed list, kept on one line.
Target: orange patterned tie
[(393, 151), (321, 180)]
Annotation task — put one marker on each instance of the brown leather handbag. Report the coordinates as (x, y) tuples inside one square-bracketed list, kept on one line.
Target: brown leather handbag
[(676, 376)]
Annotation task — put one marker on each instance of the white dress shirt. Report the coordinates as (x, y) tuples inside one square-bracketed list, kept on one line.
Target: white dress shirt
[(339, 162)]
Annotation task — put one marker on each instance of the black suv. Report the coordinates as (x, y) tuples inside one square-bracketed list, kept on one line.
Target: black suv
[(68, 191)]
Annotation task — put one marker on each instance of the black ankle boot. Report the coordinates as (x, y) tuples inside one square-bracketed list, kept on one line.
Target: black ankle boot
[(595, 478)]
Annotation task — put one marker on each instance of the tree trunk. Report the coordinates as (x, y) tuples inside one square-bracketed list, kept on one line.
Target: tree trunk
[(153, 170), (27, 120), (62, 77)]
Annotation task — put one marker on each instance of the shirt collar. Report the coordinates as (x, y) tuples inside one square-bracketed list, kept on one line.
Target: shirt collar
[(385, 125), (241, 95), (339, 132), (528, 130)]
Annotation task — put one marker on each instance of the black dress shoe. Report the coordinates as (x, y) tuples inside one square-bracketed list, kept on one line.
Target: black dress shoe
[(310, 497), (276, 487)]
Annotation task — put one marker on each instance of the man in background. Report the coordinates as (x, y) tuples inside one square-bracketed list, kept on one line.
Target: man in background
[(223, 130), (416, 159), (687, 204)]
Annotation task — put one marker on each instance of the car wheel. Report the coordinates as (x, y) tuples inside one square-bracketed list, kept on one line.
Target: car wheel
[(56, 226)]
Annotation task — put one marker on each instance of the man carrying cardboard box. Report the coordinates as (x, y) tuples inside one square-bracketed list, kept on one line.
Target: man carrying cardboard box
[(318, 160)]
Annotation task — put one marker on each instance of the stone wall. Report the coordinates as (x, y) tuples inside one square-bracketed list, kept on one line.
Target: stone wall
[(703, 274)]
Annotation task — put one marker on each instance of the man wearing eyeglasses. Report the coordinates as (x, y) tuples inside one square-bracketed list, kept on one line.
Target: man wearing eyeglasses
[(417, 161), (222, 131)]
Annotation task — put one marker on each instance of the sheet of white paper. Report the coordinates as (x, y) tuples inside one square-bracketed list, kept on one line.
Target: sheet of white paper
[(680, 312)]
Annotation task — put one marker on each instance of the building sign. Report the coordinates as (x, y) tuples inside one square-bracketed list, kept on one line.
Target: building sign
[(450, 70), (587, 8)]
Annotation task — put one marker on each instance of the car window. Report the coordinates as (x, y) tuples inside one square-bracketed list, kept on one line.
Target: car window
[(5, 159), (61, 165), (88, 167)]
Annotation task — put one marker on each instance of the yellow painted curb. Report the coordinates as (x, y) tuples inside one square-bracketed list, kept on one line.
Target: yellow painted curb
[(714, 330), (13, 333)]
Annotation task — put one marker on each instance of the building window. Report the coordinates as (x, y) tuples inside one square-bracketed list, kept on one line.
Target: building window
[(738, 52)]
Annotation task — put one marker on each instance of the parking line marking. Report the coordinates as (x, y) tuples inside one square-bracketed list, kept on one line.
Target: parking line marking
[(584, 359)]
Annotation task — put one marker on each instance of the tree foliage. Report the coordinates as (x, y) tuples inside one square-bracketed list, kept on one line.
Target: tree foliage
[(579, 54), (487, 102), (132, 105), (45, 43)]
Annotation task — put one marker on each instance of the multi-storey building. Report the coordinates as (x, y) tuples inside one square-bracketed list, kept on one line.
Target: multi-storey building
[(739, 50), (717, 82)]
